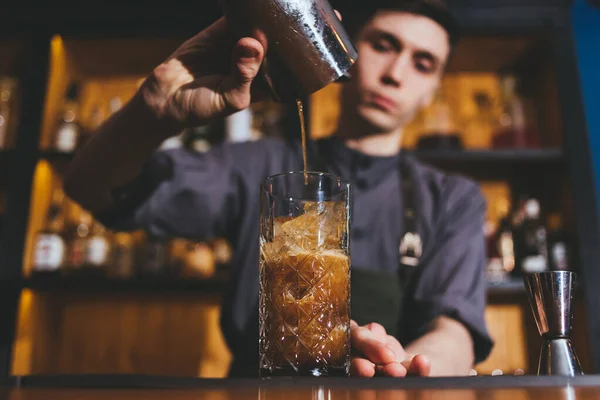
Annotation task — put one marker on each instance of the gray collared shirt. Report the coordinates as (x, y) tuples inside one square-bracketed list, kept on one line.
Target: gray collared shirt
[(216, 194)]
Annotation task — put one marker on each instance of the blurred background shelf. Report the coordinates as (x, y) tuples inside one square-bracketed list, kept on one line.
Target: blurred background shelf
[(513, 286), (53, 155), (498, 165), (455, 159), (473, 157), (89, 284), (216, 284)]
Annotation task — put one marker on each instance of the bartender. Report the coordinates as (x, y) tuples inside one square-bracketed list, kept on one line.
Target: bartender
[(418, 288)]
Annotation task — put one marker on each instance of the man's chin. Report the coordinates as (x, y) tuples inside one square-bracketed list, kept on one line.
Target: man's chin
[(377, 121)]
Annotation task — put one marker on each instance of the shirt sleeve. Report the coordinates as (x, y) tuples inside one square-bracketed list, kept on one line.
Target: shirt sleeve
[(181, 193), (452, 279)]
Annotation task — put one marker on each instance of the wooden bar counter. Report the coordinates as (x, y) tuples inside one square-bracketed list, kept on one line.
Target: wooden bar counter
[(126, 387)]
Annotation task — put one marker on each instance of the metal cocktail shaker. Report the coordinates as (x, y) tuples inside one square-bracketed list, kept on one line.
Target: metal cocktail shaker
[(308, 47), (551, 297)]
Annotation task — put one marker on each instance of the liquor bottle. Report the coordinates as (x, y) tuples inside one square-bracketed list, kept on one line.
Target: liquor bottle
[(197, 139), (123, 259), (505, 244), (559, 244), (174, 142), (68, 131), (514, 129), (222, 252), (479, 128), (439, 131), (267, 119), (114, 105), (6, 94), (49, 244), (533, 247), (95, 120), (154, 257), (238, 126), (78, 243), (97, 250), (198, 261), (494, 272)]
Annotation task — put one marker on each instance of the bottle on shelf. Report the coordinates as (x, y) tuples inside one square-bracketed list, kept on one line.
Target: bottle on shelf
[(514, 130), (78, 243), (532, 255), (267, 119), (114, 105), (222, 251), (439, 131), (98, 250), (123, 258), (239, 127), (68, 131), (155, 256), (49, 244), (499, 239), (492, 271), (197, 139), (6, 95), (95, 120), (505, 244), (480, 126), (198, 261), (559, 244)]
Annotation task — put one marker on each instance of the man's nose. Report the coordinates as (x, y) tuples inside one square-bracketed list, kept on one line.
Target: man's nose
[(396, 71)]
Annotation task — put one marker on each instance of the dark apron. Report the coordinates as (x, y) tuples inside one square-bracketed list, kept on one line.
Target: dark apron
[(379, 296)]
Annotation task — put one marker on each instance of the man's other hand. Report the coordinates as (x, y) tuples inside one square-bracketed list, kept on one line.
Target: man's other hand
[(377, 353)]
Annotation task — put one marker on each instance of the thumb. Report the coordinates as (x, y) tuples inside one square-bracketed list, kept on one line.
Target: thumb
[(248, 55)]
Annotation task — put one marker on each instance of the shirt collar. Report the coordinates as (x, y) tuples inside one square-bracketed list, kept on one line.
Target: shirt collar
[(353, 165)]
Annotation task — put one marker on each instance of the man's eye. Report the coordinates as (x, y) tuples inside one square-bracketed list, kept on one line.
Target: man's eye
[(424, 67), (382, 46)]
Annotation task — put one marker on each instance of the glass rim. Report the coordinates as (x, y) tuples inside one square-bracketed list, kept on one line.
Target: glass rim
[(309, 173)]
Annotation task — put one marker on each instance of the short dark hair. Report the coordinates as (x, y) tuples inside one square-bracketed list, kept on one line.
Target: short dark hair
[(436, 10)]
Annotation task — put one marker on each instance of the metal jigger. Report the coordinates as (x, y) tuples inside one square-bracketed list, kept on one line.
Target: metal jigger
[(550, 296)]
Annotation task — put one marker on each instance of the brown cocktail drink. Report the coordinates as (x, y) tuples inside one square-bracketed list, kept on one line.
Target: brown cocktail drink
[(304, 276)]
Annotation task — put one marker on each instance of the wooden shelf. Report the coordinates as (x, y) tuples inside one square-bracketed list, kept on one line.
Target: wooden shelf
[(157, 284), (212, 285), (53, 155), (509, 156), (512, 286), (491, 156), (496, 164), (86, 284)]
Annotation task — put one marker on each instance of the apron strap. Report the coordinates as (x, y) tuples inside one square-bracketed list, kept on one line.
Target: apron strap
[(411, 244)]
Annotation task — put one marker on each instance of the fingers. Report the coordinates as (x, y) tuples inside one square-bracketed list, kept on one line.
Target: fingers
[(365, 368), (364, 341), (394, 369), (379, 353), (391, 342), (247, 57), (419, 365), (378, 330), (338, 14), (362, 367)]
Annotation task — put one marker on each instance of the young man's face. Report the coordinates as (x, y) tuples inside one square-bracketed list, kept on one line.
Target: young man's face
[(401, 58)]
